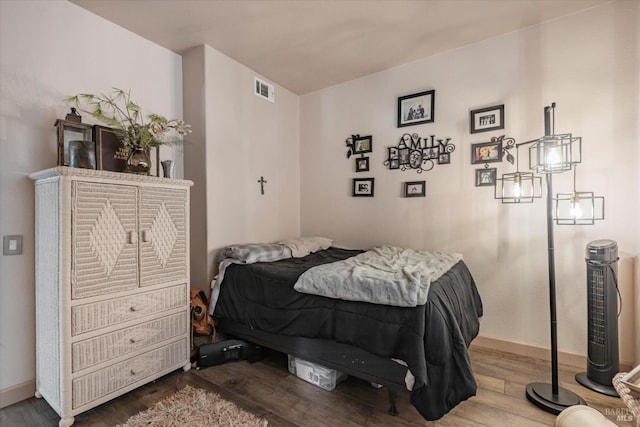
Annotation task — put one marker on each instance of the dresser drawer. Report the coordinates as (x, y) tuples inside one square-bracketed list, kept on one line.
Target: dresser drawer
[(89, 317), (93, 386), (119, 343)]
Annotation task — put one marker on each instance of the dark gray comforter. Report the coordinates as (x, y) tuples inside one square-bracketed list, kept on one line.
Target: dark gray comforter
[(432, 338)]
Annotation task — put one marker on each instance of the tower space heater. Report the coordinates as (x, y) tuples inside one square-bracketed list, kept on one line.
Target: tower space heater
[(602, 316)]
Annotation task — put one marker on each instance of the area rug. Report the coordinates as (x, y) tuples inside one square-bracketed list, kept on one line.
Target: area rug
[(194, 407)]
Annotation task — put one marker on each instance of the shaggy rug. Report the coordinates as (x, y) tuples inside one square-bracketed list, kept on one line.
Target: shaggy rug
[(194, 407)]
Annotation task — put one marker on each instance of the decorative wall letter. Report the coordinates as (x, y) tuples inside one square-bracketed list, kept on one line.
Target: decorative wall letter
[(421, 154)]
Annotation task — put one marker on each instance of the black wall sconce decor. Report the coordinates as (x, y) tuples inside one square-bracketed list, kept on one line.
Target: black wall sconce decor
[(421, 154)]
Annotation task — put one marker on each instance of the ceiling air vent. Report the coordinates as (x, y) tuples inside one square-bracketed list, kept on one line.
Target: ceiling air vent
[(264, 90)]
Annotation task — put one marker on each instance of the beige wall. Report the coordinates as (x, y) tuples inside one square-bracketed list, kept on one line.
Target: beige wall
[(49, 50), (588, 64), (244, 137)]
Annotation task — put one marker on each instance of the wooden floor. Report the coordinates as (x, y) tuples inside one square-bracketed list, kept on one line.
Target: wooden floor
[(268, 390)]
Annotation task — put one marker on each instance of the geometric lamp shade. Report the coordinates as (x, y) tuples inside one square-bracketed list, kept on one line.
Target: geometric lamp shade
[(578, 208), (518, 187), (555, 153)]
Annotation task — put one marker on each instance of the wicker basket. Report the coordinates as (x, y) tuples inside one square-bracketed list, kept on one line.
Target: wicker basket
[(630, 397)]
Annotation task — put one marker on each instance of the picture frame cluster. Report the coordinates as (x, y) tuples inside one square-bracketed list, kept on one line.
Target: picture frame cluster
[(485, 120), (422, 154)]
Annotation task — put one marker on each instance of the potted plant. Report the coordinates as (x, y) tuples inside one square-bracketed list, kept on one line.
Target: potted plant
[(136, 132)]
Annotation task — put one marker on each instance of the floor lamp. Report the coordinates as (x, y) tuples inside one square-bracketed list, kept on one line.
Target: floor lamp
[(548, 155)]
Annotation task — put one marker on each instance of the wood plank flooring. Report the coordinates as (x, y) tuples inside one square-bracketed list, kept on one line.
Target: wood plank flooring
[(268, 390)]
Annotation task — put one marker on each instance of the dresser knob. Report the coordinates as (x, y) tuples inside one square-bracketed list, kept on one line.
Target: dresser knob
[(133, 308)]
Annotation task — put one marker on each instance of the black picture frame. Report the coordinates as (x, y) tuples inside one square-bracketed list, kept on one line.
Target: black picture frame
[(415, 189), (416, 109), (81, 154), (363, 187), (486, 152), (431, 153), (362, 164), (363, 144), (486, 177), (444, 158), (487, 119)]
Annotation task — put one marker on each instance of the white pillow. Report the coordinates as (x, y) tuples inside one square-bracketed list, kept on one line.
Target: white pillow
[(255, 252), (303, 246)]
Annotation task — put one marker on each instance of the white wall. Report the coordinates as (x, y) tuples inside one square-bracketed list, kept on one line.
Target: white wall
[(245, 138), (49, 50), (588, 64)]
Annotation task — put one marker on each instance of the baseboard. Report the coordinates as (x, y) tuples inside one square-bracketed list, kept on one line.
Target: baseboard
[(571, 359), (17, 393)]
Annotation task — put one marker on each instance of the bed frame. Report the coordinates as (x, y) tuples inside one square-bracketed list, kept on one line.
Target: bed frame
[(342, 357), (240, 316)]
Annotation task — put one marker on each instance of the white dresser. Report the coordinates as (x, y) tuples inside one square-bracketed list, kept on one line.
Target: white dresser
[(112, 284)]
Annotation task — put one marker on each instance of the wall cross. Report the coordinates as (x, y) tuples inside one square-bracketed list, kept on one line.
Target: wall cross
[(262, 182)]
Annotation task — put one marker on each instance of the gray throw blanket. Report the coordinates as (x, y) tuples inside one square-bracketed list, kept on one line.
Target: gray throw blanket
[(384, 275)]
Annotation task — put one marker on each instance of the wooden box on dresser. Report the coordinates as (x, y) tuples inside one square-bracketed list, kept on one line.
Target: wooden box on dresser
[(112, 284)]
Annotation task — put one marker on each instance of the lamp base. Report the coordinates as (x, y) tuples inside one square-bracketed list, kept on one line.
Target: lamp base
[(541, 395), (584, 380)]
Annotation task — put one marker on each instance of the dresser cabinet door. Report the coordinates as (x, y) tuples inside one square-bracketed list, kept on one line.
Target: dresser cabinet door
[(104, 239), (163, 236)]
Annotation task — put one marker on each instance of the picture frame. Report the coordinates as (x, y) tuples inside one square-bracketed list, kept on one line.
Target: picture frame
[(81, 154), (415, 189), (486, 152), (431, 153), (363, 145), (362, 164), (417, 108), (363, 187), (444, 158), (403, 156), (486, 177), (487, 119)]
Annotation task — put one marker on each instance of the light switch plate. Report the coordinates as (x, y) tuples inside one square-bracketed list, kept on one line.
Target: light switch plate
[(12, 245)]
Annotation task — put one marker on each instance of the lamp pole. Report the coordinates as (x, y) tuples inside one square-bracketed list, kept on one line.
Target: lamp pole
[(550, 397)]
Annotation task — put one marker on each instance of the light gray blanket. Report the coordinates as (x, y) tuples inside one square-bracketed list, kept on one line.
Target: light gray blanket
[(384, 275)]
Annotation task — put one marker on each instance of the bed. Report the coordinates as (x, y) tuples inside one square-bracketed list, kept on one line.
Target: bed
[(422, 348)]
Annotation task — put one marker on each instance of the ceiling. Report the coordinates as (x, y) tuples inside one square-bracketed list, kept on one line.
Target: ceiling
[(307, 45)]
